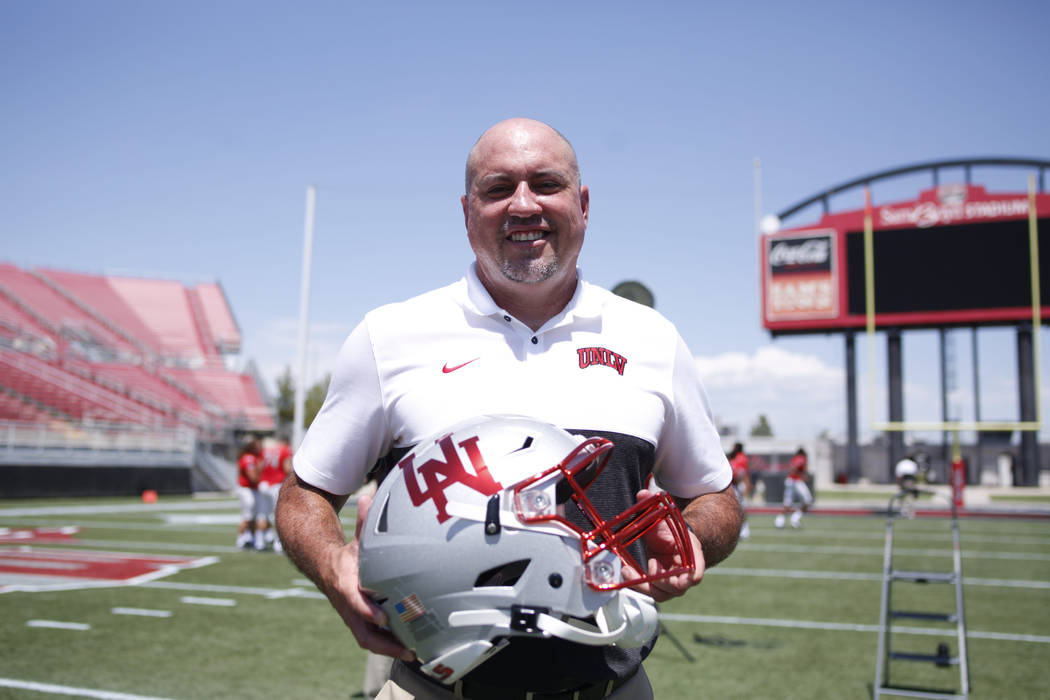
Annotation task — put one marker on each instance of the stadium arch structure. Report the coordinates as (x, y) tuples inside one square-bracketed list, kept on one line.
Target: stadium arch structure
[(971, 258)]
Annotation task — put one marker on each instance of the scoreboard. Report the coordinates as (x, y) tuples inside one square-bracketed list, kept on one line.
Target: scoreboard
[(957, 255)]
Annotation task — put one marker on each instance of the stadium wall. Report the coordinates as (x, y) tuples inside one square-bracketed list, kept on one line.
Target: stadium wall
[(50, 481), (38, 460)]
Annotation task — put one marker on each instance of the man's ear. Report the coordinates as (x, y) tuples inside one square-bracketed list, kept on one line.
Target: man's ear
[(585, 202), (466, 211)]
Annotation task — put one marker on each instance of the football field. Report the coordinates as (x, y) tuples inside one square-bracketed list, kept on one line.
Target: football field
[(114, 598)]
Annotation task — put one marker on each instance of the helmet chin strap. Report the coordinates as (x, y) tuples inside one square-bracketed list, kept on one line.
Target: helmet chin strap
[(629, 619)]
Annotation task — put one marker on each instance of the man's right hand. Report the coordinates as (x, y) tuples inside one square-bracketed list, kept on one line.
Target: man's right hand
[(365, 619), (309, 527)]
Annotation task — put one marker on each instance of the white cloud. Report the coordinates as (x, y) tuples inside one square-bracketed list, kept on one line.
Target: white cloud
[(800, 394)]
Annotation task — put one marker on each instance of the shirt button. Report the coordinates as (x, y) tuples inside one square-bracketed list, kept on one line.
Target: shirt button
[(507, 319), (535, 340)]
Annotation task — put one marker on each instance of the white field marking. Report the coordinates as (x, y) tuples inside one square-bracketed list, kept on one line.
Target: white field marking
[(234, 590), (231, 518), (850, 627), (857, 576), (881, 534), (68, 690), (118, 508), (286, 593), (54, 624), (125, 525), (220, 602), (171, 546), (946, 552), (144, 612)]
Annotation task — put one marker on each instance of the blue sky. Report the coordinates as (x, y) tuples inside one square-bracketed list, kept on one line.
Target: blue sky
[(177, 140)]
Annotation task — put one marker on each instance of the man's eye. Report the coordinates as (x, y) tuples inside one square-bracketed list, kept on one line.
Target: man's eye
[(548, 186), (498, 191)]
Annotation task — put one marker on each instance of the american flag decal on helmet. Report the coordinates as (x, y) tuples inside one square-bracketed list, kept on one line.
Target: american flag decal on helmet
[(409, 608)]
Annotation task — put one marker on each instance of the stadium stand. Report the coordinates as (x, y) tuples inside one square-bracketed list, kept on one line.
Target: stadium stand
[(89, 357)]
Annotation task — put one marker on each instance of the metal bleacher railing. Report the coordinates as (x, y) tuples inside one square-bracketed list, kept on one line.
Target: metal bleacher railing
[(26, 443)]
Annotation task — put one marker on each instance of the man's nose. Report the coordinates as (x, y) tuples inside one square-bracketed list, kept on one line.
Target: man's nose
[(524, 203)]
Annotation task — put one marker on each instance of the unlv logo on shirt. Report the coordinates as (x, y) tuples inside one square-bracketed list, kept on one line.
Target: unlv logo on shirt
[(438, 475), (601, 356)]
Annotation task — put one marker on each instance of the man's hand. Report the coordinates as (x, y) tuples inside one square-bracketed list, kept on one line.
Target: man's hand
[(713, 521), (662, 556), (308, 522)]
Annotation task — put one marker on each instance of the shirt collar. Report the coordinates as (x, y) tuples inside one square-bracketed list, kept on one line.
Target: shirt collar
[(586, 302)]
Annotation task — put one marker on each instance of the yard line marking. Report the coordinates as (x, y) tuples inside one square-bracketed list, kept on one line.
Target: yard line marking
[(216, 588), (857, 576), (821, 549), (171, 546), (286, 593), (144, 612), (850, 627), (127, 525), (196, 600), (116, 508), (68, 690), (808, 532), (54, 624)]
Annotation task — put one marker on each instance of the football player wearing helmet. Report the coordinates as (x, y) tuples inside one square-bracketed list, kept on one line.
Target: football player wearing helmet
[(513, 568)]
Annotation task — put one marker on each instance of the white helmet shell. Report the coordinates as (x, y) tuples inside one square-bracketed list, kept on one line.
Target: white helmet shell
[(466, 544)]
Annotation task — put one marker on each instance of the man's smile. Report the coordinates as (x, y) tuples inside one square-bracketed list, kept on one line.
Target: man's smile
[(526, 236)]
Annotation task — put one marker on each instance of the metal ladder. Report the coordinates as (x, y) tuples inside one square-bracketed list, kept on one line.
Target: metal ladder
[(943, 657)]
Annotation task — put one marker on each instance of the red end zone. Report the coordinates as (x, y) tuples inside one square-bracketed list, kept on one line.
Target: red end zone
[(25, 568)]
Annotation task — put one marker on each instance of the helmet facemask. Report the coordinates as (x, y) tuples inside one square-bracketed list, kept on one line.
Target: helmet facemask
[(608, 564)]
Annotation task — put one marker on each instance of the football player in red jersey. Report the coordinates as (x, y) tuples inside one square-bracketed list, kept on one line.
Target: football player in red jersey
[(276, 464), (795, 489), (248, 467), (741, 481)]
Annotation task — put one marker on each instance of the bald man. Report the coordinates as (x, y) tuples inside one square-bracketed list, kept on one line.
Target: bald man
[(520, 333)]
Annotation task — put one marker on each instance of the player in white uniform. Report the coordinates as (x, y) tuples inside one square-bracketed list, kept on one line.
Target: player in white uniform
[(522, 334), (907, 472)]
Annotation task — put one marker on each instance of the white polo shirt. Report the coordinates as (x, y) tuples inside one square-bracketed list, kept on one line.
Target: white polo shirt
[(604, 365)]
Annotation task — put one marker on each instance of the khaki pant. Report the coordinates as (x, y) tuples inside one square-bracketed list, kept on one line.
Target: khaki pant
[(377, 672), (405, 685)]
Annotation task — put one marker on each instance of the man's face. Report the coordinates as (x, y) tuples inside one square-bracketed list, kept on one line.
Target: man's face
[(525, 210)]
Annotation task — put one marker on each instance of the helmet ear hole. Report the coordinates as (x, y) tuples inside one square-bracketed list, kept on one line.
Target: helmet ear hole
[(381, 524), (503, 575)]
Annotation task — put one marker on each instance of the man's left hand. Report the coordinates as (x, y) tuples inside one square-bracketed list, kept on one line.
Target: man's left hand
[(662, 556)]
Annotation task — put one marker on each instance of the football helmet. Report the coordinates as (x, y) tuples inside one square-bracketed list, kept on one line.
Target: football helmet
[(467, 543)]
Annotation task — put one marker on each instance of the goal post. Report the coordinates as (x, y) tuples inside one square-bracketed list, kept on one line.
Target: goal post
[(954, 426)]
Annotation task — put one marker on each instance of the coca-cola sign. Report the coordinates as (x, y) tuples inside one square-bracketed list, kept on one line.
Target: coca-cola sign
[(800, 276), (800, 254)]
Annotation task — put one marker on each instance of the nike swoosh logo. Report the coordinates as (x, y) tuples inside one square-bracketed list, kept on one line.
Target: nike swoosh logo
[(446, 369)]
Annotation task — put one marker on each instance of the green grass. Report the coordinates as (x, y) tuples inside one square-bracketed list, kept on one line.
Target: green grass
[(1019, 498), (295, 646)]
